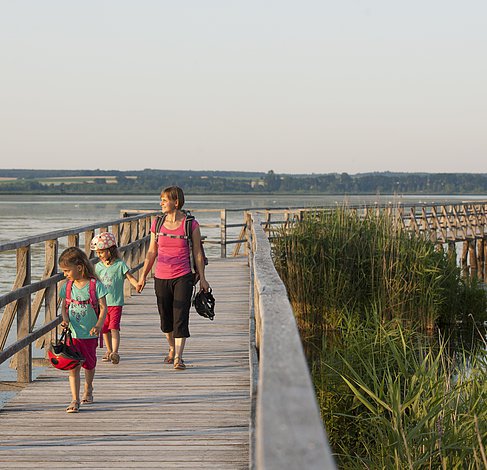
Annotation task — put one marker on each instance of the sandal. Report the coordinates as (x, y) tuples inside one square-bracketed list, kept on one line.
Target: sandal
[(179, 364), (87, 398), (115, 358), (106, 357), (73, 407), (169, 359)]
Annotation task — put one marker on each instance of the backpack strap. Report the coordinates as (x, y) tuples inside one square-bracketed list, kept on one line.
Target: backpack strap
[(93, 298), (69, 286), (188, 233), (159, 223), (188, 228)]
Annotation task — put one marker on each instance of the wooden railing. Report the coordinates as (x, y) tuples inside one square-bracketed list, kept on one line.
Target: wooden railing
[(132, 235), (287, 430)]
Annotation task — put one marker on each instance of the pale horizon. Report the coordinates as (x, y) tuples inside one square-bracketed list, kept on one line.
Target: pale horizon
[(297, 88)]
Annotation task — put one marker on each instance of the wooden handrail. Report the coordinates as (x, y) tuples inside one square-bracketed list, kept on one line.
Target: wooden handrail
[(133, 238), (289, 432)]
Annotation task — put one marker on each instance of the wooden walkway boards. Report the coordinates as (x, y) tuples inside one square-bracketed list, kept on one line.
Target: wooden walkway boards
[(146, 414)]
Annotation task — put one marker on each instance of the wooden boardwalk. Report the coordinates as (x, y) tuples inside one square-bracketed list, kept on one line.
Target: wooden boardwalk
[(146, 414)]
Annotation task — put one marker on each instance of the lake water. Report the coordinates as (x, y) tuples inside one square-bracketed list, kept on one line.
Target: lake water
[(22, 216), (26, 215)]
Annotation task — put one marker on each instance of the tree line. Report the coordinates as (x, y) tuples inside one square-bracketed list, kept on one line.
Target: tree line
[(203, 182)]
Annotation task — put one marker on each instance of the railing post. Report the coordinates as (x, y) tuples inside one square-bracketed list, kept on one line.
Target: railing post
[(50, 298), (248, 233), (223, 233), (89, 235), (464, 257), (24, 357), (116, 232), (480, 258), (141, 251), (131, 258), (472, 257), (49, 295), (73, 240), (125, 237)]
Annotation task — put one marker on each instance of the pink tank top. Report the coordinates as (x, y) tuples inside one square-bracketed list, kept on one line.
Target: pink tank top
[(173, 253)]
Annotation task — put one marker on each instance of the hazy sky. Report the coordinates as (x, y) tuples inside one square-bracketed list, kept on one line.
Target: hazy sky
[(294, 86)]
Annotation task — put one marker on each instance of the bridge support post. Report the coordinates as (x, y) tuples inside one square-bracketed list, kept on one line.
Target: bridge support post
[(464, 258), (24, 356), (480, 258), (472, 257)]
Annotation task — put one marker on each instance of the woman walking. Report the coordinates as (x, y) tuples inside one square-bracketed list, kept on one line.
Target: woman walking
[(174, 278)]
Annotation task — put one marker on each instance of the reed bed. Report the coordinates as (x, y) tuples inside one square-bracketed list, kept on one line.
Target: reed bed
[(391, 400), (337, 265), (364, 294)]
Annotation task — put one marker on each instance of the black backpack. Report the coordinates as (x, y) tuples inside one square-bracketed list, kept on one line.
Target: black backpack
[(188, 236)]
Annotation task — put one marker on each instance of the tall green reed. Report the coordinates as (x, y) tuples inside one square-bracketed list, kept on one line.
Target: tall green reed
[(389, 399), (336, 264), (363, 290)]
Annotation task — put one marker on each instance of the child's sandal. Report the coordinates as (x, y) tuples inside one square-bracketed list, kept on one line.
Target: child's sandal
[(87, 398), (106, 357), (73, 407), (115, 358)]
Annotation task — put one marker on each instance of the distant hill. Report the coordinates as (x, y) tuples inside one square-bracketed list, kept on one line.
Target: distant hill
[(148, 181)]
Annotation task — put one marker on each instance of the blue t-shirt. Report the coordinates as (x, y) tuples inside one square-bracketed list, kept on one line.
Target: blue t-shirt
[(113, 277), (82, 317)]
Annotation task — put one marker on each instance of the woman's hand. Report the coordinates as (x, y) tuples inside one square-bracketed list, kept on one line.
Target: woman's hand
[(65, 323), (204, 285), (140, 285)]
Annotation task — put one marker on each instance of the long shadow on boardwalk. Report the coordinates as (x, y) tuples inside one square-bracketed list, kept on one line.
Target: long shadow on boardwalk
[(146, 414)]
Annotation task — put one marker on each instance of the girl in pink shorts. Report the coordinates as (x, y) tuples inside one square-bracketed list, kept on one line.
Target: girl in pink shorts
[(84, 322), (112, 271)]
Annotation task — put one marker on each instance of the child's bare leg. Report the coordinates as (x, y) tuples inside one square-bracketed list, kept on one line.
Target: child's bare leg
[(107, 339), (114, 356), (74, 382), (88, 393), (115, 334), (89, 376)]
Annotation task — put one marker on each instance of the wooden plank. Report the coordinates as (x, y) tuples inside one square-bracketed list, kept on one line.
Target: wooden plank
[(146, 414)]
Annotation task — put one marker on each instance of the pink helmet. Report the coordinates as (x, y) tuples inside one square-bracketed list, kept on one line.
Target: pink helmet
[(103, 241)]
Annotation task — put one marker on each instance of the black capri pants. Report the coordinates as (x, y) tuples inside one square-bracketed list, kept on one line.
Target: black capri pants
[(173, 302)]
